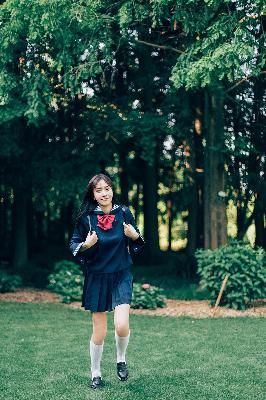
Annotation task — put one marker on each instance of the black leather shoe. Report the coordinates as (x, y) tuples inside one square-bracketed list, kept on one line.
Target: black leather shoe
[(96, 382), (122, 371)]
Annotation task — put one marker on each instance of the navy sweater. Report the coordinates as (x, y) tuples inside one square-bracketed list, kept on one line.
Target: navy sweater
[(111, 252)]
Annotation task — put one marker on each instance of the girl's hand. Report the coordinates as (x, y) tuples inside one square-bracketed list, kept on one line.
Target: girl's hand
[(130, 231), (91, 239)]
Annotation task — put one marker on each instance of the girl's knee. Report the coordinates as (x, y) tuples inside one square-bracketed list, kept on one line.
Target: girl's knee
[(98, 335), (97, 338), (122, 328)]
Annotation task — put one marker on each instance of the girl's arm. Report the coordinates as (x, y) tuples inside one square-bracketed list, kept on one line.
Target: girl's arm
[(77, 240)]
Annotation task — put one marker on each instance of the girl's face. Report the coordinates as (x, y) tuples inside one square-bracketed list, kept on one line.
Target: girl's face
[(103, 193)]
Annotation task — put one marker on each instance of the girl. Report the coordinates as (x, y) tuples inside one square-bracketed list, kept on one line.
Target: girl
[(101, 242)]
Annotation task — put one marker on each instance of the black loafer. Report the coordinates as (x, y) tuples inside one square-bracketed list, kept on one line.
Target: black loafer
[(96, 382), (122, 371)]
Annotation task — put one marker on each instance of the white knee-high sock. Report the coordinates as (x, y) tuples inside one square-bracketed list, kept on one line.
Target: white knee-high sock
[(96, 351), (121, 346)]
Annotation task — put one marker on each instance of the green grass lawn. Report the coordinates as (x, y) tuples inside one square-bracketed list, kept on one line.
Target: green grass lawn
[(44, 355)]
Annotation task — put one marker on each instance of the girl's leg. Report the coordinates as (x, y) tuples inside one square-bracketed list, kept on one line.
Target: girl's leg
[(122, 331), (99, 320)]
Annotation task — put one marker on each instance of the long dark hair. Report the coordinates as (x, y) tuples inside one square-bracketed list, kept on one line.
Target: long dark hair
[(88, 203)]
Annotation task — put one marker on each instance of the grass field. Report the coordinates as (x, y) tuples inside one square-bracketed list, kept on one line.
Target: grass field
[(44, 355)]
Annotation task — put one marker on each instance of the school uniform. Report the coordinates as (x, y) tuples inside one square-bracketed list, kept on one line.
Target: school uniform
[(108, 278)]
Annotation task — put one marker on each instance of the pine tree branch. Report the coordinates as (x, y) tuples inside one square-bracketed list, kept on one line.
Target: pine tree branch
[(160, 46), (246, 78)]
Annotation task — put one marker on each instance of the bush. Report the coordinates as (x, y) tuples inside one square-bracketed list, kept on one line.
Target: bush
[(67, 281), (9, 282), (147, 296), (245, 266)]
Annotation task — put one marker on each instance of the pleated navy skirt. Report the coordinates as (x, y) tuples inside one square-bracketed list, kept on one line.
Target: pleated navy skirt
[(104, 291)]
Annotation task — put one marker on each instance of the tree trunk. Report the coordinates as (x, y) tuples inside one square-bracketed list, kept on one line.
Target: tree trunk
[(4, 232), (30, 225), (215, 219), (61, 225), (258, 143), (120, 97), (195, 216), (123, 177), (149, 172), (169, 205), (150, 212), (40, 230), (69, 219), (136, 201), (259, 221), (20, 238)]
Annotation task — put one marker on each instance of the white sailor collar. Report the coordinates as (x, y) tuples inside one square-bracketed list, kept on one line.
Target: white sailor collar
[(98, 208)]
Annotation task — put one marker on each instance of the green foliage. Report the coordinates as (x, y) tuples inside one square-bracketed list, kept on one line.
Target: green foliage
[(66, 280), (245, 266), (221, 40), (43, 58), (214, 66), (131, 13), (8, 282), (147, 296)]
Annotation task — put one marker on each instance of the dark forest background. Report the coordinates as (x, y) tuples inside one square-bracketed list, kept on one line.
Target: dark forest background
[(167, 97)]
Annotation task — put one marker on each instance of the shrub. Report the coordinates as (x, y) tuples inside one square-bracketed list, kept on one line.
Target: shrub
[(147, 296), (9, 282), (245, 266), (66, 280)]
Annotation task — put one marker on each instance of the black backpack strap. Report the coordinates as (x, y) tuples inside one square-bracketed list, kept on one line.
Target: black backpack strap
[(88, 216), (138, 244), (125, 216), (124, 209)]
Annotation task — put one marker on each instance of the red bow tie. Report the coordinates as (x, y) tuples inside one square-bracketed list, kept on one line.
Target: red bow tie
[(105, 221)]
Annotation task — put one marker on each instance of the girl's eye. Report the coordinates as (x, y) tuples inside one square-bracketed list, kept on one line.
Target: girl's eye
[(98, 191)]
